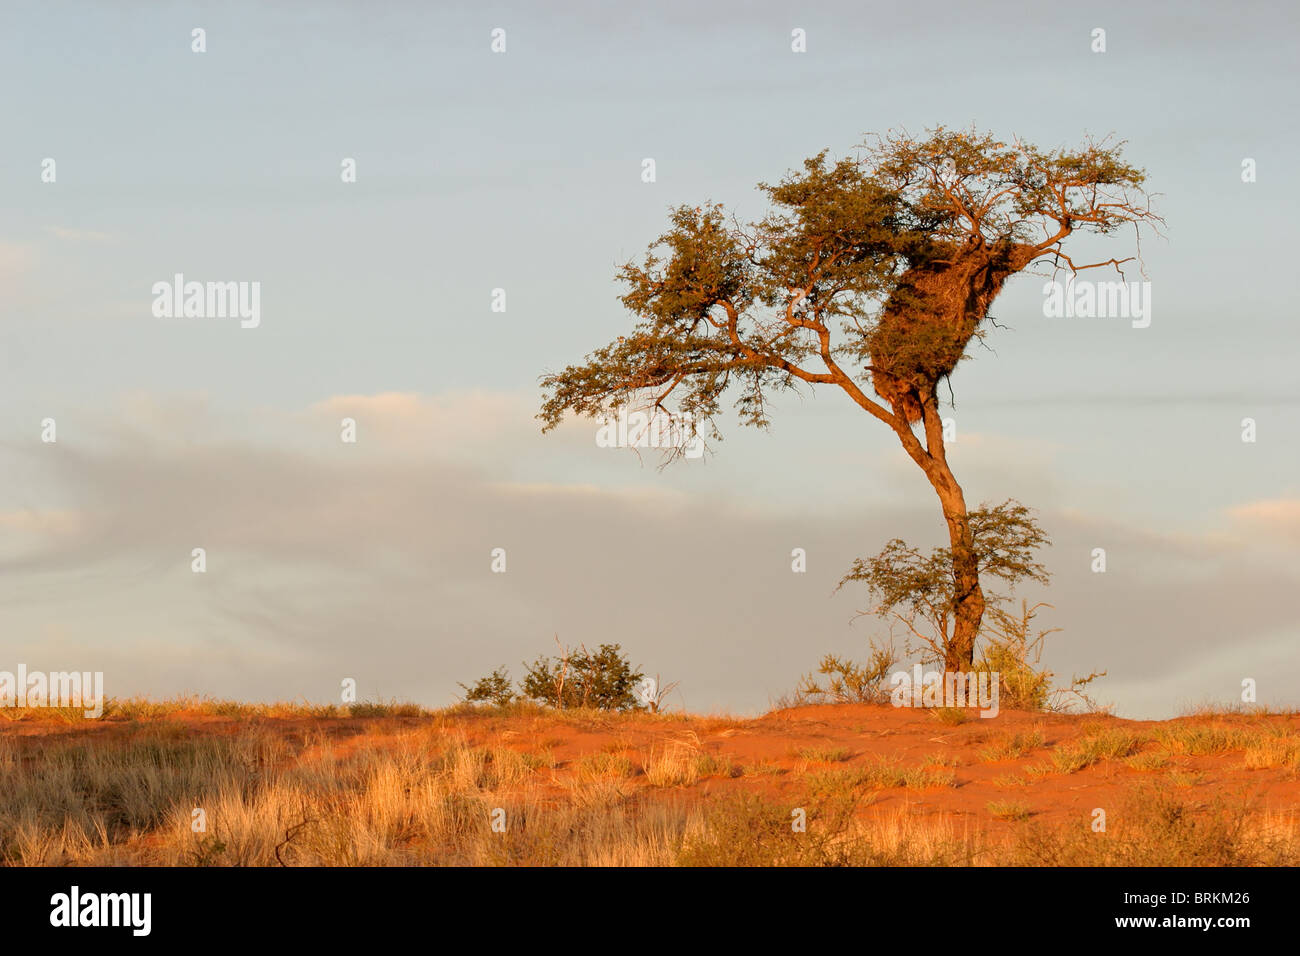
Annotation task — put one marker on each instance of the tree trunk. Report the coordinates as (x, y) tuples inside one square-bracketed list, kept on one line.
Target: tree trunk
[(968, 610), (968, 597)]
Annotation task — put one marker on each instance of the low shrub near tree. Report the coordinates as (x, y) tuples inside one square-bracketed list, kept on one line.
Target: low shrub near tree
[(599, 680), (847, 682), (494, 689)]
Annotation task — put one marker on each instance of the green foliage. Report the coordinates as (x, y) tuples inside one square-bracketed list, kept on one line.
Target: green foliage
[(920, 590), (604, 680), (1013, 654), (494, 689), (867, 274), (795, 297), (850, 683)]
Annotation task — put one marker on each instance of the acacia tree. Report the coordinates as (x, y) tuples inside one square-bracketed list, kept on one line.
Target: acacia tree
[(869, 275)]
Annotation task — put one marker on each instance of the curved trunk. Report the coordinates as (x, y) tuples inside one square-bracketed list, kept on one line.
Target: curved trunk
[(968, 597), (922, 334)]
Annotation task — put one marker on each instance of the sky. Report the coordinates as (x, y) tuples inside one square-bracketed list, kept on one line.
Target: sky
[(522, 170)]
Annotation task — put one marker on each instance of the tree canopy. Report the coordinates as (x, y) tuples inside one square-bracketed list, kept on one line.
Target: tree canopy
[(882, 264), (869, 274)]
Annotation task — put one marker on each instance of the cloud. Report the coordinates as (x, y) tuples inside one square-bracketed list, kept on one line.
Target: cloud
[(17, 261), (79, 235), (16, 257), (455, 419), (1273, 516), (327, 561)]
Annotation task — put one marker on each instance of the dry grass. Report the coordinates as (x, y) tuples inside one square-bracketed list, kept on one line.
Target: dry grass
[(1148, 762), (1008, 810), (1101, 744), (1204, 739), (952, 716), (604, 766), (825, 754), (1281, 752), (1156, 828), (1010, 780), (137, 709), (1012, 746), (424, 792), (681, 764)]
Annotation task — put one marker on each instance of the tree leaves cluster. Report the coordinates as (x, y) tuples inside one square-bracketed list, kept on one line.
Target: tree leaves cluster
[(919, 589), (798, 296), (599, 680)]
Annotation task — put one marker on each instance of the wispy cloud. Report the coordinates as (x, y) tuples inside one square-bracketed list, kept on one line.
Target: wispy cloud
[(1269, 518), (325, 563), (79, 235)]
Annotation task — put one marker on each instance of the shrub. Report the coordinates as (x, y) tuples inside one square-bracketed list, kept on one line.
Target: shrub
[(850, 683), (826, 754), (1008, 810), (952, 716), (1012, 654), (1012, 746), (604, 680), (494, 689)]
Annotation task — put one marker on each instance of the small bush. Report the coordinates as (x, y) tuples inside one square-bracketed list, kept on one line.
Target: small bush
[(1281, 752), (603, 681), (1103, 745), (835, 782), (923, 778), (825, 754), (1008, 810), (1010, 780), (1203, 739), (1012, 653), (604, 766), (850, 683), (1148, 762), (579, 679), (1012, 746), (676, 765), (494, 689)]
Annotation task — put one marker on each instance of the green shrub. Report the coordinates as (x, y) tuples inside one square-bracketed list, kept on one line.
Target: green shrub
[(850, 683), (604, 680), (494, 689)]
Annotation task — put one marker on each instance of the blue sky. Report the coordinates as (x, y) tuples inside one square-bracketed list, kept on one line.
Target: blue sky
[(522, 171)]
